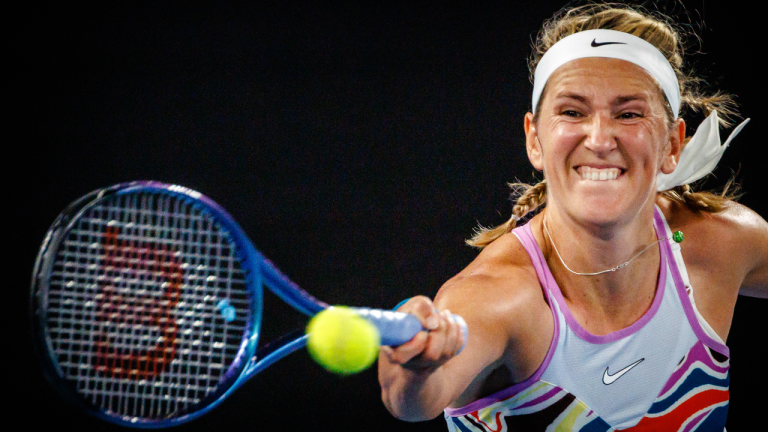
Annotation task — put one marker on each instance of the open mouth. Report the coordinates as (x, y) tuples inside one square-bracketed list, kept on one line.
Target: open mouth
[(599, 174)]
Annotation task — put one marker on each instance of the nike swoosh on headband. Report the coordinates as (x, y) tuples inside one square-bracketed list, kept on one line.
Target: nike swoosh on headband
[(609, 379), (624, 46), (597, 44)]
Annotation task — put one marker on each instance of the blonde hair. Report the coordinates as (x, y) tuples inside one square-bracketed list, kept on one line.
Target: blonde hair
[(661, 32)]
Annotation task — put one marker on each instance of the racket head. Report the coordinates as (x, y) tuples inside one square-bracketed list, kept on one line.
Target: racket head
[(146, 303)]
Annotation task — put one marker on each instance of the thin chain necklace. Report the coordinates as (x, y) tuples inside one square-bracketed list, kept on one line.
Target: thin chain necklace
[(677, 235)]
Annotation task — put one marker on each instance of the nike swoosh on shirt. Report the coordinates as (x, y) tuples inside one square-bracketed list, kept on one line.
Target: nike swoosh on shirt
[(597, 44), (609, 379)]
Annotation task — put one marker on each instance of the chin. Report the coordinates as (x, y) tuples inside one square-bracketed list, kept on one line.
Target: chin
[(606, 212), (602, 212)]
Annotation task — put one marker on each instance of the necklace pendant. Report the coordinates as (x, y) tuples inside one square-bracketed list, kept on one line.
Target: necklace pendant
[(678, 236)]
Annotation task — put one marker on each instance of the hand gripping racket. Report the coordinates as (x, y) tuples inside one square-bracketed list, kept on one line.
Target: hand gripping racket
[(147, 300)]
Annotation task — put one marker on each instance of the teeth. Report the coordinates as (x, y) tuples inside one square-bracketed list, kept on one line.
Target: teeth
[(596, 174)]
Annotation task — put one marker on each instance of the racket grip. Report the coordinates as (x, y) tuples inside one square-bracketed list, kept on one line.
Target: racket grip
[(397, 328)]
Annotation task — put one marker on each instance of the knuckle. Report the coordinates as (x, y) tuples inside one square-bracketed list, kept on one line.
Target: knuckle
[(401, 357), (436, 347), (422, 303), (423, 309)]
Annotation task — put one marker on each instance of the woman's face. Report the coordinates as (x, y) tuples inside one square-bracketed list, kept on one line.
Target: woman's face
[(601, 138)]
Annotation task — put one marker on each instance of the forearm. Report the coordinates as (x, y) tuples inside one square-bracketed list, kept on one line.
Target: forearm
[(413, 395), (420, 378)]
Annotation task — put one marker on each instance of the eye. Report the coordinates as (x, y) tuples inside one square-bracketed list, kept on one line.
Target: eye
[(629, 115), (571, 113)]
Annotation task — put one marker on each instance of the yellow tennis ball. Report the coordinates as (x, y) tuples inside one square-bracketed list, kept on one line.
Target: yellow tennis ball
[(342, 341)]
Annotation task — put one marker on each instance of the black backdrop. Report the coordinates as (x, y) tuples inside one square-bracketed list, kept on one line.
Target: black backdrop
[(358, 146)]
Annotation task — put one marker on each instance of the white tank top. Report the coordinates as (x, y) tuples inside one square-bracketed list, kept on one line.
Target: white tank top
[(666, 372)]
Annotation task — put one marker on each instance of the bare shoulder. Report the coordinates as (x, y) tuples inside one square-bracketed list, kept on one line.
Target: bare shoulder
[(499, 279), (500, 297), (726, 254), (721, 237)]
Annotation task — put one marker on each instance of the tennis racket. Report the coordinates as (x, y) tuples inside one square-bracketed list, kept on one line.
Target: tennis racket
[(147, 304)]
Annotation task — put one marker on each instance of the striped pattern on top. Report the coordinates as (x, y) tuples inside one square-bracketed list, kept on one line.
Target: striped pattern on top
[(541, 407), (695, 398)]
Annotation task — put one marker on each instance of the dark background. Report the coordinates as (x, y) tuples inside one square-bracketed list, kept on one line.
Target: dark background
[(358, 146)]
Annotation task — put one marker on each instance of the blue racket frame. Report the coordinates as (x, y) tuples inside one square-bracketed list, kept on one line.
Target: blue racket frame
[(267, 275), (395, 328)]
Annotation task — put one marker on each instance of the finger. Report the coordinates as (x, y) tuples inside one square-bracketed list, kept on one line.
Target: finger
[(436, 343), (452, 334), (424, 310), (407, 351), (386, 351), (456, 335)]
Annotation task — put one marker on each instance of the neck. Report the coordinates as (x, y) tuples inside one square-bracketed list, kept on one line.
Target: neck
[(611, 300)]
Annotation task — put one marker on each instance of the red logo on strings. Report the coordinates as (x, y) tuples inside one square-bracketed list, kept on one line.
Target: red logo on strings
[(128, 345)]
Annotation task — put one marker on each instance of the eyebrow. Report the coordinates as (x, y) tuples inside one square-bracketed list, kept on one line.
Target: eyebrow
[(570, 95), (629, 98), (617, 101)]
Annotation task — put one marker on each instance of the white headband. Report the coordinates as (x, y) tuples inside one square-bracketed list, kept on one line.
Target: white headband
[(703, 151), (610, 44)]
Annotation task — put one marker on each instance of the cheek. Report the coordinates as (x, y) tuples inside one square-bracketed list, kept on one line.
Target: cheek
[(657, 148), (568, 133), (647, 142), (656, 132), (561, 142)]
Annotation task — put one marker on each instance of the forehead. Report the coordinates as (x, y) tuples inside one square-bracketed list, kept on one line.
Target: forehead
[(603, 77)]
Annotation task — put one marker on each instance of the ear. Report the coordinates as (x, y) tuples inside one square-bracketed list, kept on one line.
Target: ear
[(533, 144), (674, 147)]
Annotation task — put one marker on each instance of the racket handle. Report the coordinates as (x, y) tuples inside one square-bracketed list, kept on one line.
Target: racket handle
[(397, 328)]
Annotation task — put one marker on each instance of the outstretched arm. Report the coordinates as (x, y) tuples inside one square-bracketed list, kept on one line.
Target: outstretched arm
[(422, 377), (510, 328), (413, 382)]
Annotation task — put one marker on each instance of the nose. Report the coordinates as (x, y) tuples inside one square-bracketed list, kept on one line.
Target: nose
[(599, 135)]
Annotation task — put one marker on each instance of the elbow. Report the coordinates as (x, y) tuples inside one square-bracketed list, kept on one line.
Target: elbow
[(412, 400), (404, 411)]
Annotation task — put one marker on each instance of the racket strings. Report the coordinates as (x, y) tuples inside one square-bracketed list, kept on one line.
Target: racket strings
[(132, 305)]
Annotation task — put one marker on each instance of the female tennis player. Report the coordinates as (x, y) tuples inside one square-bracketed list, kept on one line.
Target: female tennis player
[(609, 308)]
